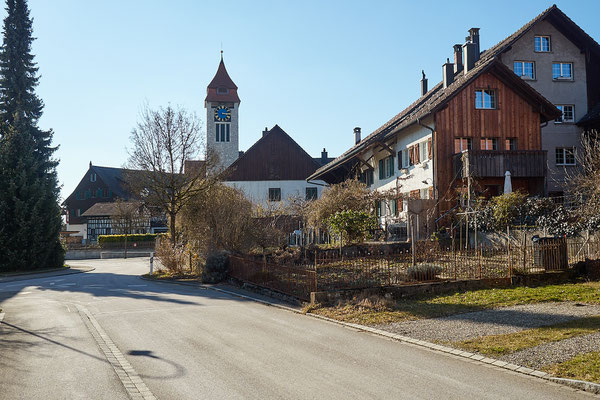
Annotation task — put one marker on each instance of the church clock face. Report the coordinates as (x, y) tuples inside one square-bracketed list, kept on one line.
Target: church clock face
[(222, 114)]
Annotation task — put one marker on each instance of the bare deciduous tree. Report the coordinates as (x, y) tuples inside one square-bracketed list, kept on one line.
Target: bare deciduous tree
[(584, 182), (162, 142)]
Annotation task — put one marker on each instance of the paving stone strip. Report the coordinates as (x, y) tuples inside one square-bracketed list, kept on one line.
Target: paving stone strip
[(134, 385)]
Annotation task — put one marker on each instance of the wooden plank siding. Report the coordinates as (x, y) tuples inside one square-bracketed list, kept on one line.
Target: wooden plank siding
[(513, 117)]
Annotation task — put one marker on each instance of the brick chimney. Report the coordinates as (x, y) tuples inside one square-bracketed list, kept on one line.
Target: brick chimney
[(458, 58)]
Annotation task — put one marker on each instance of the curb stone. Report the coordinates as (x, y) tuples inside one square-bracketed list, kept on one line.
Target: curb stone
[(589, 387), (47, 274)]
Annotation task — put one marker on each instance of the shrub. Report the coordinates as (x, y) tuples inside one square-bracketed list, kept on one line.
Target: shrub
[(145, 237), (216, 268), (424, 272), (172, 258), (352, 225)]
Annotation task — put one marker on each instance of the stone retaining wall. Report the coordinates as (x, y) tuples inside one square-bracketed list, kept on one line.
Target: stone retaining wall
[(431, 288)]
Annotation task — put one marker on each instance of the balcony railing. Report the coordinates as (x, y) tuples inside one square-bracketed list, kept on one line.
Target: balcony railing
[(488, 164)]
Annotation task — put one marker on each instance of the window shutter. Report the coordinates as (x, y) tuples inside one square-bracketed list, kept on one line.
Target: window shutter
[(417, 155), (381, 170), (400, 204), (415, 194), (431, 192), (411, 155), (394, 208), (429, 148)]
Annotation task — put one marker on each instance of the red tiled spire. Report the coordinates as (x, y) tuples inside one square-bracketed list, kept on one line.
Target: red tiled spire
[(220, 82)]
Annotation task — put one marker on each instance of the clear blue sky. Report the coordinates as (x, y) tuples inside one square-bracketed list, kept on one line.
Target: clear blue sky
[(316, 68)]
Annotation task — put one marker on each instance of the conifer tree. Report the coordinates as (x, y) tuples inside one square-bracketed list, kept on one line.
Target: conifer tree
[(29, 210)]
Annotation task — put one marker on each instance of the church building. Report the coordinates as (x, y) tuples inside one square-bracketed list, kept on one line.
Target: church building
[(272, 170)]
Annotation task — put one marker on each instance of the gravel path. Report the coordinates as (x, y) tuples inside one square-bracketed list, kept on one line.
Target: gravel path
[(554, 352), (491, 322)]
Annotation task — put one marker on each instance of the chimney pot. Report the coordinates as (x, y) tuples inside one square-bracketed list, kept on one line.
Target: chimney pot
[(264, 133), (357, 135), (423, 84), (324, 154), (474, 38), (458, 55), (448, 73)]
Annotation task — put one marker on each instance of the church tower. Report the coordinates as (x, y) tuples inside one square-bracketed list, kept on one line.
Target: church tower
[(222, 103)]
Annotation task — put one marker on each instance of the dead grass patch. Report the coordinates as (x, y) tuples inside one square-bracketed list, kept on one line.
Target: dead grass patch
[(584, 367), (498, 345), (377, 311)]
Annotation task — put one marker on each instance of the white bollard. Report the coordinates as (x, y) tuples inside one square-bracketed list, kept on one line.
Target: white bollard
[(151, 262)]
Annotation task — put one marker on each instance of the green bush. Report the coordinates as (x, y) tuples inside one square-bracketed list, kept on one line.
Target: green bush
[(424, 272), (144, 237), (216, 268)]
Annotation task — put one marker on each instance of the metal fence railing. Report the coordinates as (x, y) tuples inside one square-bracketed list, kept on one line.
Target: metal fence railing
[(330, 271), (297, 281)]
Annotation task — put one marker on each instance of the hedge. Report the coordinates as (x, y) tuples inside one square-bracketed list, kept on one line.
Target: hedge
[(144, 237)]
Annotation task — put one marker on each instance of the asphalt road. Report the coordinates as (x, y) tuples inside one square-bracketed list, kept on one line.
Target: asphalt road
[(191, 343)]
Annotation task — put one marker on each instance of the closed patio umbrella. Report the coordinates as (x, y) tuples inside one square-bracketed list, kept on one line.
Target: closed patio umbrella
[(507, 183)]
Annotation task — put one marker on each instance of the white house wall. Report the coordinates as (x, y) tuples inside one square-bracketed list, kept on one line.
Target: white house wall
[(414, 177), (258, 191), (81, 229)]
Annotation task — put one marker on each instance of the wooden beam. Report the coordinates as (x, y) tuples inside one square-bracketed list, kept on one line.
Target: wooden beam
[(364, 163), (386, 148)]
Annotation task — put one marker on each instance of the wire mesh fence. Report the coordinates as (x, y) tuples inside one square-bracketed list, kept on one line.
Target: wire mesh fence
[(429, 263)]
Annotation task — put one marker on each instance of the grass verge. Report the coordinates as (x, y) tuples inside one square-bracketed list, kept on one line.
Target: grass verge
[(498, 345), (165, 275), (584, 367), (376, 310)]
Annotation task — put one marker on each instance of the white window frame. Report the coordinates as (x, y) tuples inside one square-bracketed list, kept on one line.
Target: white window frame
[(561, 119), (423, 151), (541, 49), (466, 140), (405, 158), (523, 75), (493, 99), (493, 142), (563, 162), (562, 77)]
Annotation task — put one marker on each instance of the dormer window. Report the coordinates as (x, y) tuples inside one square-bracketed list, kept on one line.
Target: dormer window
[(222, 90)]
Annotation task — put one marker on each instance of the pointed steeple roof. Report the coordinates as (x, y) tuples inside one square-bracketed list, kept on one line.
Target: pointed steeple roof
[(222, 88)]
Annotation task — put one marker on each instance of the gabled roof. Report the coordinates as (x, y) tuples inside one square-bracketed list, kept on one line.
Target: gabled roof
[(114, 178), (222, 80), (109, 209), (557, 18), (274, 157), (436, 98)]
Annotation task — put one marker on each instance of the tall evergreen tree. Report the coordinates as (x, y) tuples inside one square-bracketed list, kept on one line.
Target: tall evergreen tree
[(30, 218)]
